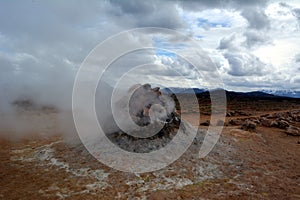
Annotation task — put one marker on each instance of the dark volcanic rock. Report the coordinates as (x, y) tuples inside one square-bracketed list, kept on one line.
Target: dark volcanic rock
[(266, 122), (248, 126), (280, 120), (156, 119), (235, 122), (292, 130), (206, 123), (237, 113), (144, 145), (282, 124)]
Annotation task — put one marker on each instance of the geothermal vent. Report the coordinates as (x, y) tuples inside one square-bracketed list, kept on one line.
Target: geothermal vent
[(155, 119)]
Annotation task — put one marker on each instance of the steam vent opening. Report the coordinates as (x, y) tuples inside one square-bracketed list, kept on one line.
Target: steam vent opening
[(154, 114)]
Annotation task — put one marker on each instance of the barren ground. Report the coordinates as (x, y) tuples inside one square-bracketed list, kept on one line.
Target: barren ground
[(261, 164)]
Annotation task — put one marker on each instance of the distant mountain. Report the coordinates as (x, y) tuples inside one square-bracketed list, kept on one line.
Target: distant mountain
[(250, 94), (284, 93), (262, 94)]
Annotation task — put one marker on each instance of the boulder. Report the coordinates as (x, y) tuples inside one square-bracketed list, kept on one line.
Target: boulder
[(237, 113), (282, 124), (235, 122), (241, 113), (265, 115), (273, 123), (231, 114), (248, 126), (254, 119), (206, 123), (271, 116), (266, 122), (228, 114), (295, 117), (293, 130)]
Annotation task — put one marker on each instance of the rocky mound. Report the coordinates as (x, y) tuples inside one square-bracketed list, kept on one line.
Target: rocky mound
[(144, 145), (288, 121), (150, 110)]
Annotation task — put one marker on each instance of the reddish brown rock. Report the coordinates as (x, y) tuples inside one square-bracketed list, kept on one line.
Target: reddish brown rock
[(266, 122), (248, 126), (235, 122), (293, 130)]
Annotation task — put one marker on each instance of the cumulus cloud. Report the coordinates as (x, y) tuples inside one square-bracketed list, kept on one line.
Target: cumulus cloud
[(244, 64), (241, 62), (64, 33)]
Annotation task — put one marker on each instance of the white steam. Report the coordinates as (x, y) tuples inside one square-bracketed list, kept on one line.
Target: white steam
[(34, 100), (141, 106), (37, 101)]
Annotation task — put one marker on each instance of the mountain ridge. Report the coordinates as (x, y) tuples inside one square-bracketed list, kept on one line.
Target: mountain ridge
[(258, 93)]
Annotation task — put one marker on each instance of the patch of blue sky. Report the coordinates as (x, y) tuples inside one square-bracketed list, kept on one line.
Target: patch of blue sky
[(205, 22), (164, 47), (199, 36), (161, 52), (5, 50)]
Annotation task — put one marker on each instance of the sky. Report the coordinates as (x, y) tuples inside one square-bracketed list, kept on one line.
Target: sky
[(254, 45)]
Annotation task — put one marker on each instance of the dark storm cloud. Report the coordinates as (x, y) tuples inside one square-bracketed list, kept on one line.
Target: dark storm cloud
[(227, 43), (296, 13), (135, 7), (196, 5), (53, 31), (297, 58), (150, 13), (283, 4), (42, 45), (296, 80), (254, 37), (256, 18)]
